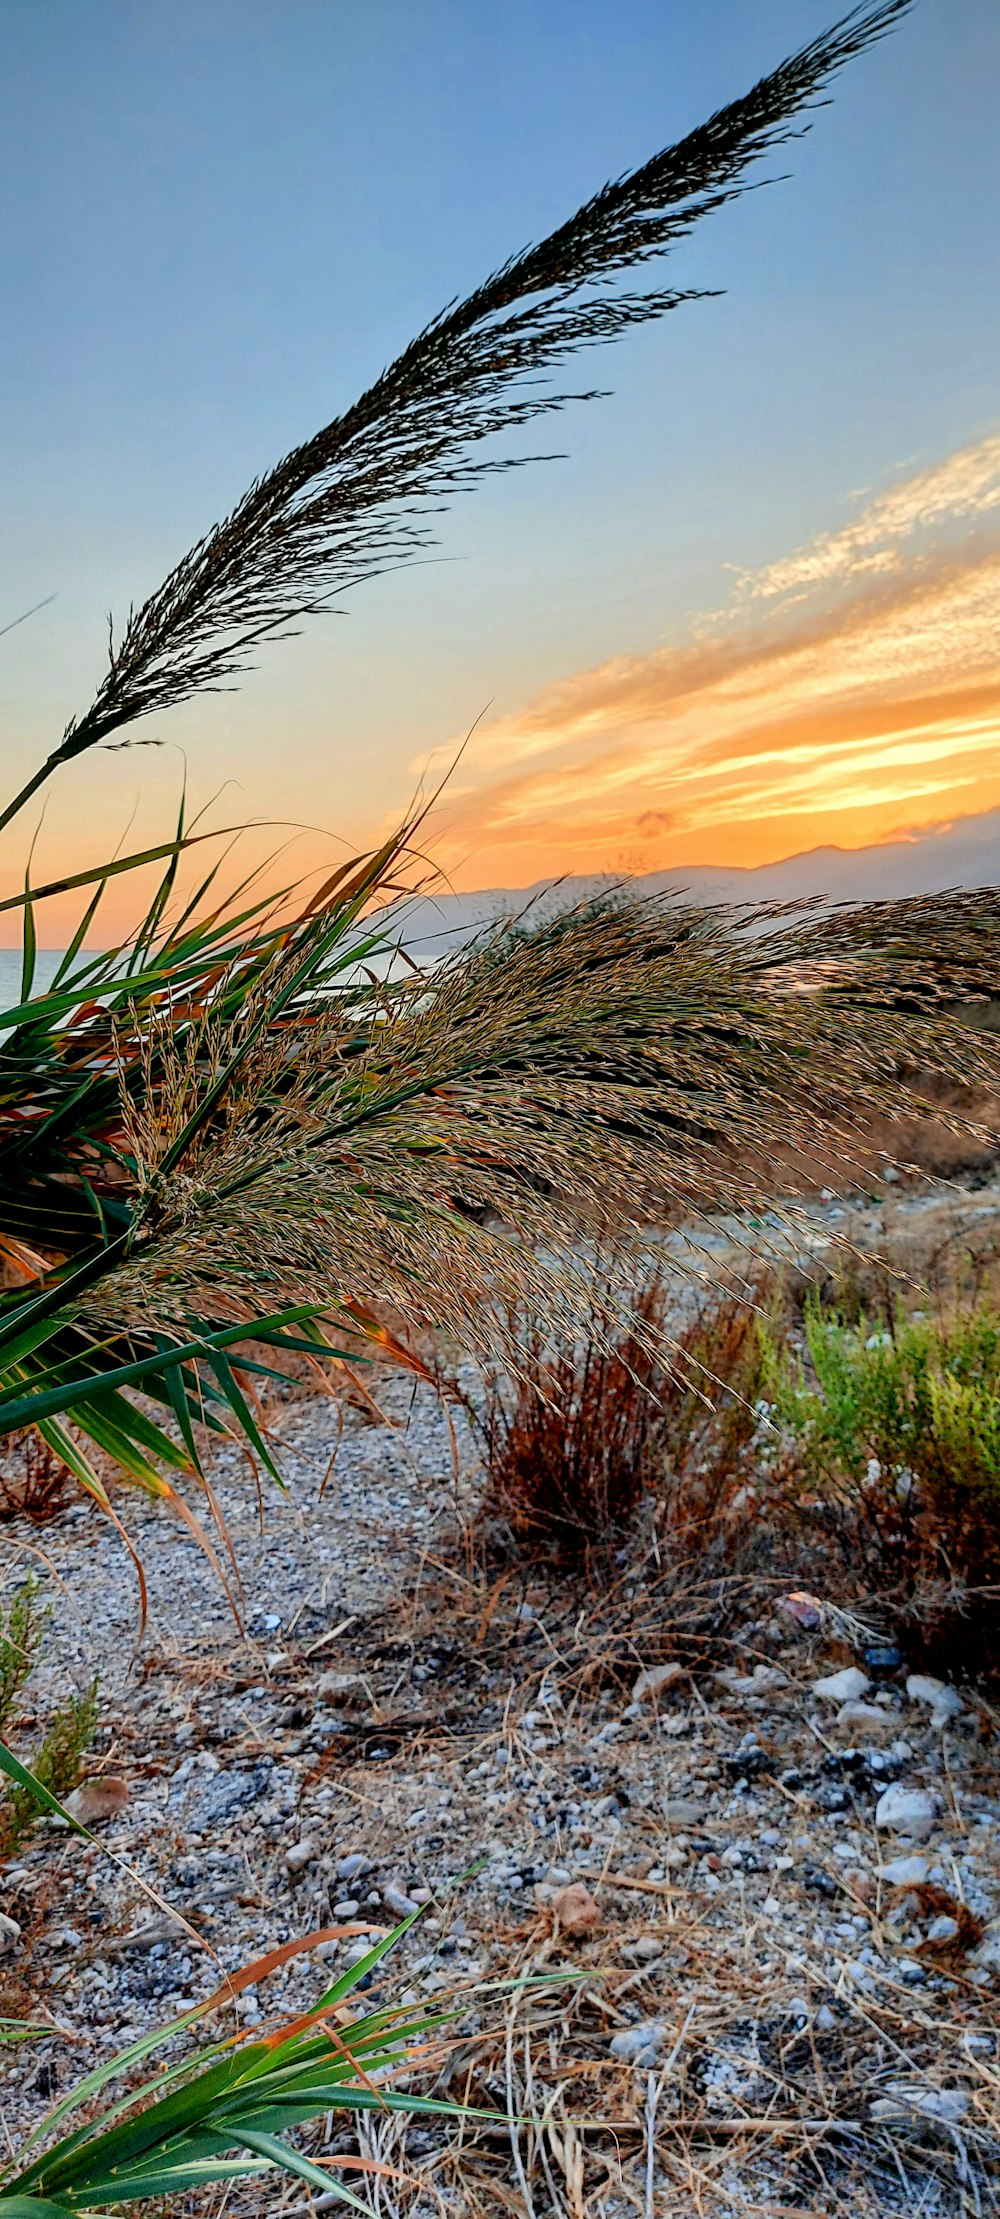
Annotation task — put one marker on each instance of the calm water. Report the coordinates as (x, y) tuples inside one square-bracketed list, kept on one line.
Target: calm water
[(46, 965)]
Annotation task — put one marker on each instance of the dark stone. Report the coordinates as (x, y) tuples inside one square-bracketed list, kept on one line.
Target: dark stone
[(228, 1793)]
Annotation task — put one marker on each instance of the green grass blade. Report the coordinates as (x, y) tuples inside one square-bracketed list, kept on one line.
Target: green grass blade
[(80, 934), (29, 942), (22, 1778), (293, 2161), (241, 1409)]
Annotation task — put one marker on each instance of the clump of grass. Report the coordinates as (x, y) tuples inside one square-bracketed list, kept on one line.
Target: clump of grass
[(573, 1447), (68, 1735)]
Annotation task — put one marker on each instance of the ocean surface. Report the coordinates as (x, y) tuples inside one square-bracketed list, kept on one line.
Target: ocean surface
[(47, 964)]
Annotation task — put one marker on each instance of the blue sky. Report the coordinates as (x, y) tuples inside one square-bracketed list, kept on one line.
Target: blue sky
[(221, 219)]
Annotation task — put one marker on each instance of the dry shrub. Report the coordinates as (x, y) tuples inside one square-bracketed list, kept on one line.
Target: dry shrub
[(34, 1481), (571, 1450)]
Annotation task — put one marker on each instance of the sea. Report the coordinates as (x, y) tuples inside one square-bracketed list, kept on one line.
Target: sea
[(47, 963)]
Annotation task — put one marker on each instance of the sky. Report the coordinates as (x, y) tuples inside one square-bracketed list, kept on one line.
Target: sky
[(754, 609)]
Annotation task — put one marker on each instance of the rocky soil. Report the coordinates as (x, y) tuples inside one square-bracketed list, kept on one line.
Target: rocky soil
[(768, 1855)]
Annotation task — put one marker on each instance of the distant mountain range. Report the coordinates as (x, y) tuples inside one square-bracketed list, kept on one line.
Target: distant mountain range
[(962, 854)]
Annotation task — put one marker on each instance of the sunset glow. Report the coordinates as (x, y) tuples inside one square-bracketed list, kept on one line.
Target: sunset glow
[(849, 694)]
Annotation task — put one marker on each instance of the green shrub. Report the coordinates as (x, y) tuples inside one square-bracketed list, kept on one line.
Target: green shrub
[(70, 1729), (913, 1408)]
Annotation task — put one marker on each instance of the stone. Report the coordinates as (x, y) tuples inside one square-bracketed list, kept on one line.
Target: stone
[(10, 1935), (801, 1609), (654, 1680), (576, 1911), (228, 1793), (908, 2100), (644, 1951), (301, 1854), (639, 2045), (397, 1901), (987, 1953), (681, 1810), (331, 1687), (348, 1868), (355, 1951), (863, 1718), (97, 1799), (847, 1686), (346, 1908), (909, 1811), (765, 1679), (943, 1929), (65, 1937), (905, 1872), (942, 1700)]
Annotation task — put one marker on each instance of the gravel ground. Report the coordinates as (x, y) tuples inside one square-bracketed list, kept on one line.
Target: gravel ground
[(785, 1914)]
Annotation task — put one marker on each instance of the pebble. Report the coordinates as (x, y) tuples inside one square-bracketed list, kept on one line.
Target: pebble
[(654, 1679), (802, 1609), (904, 2100), (909, 1811), (639, 2045), (987, 1954), (576, 1910), (355, 1951), (863, 1718), (226, 1794), (331, 1687), (847, 1686), (347, 1909), (765, 1679), (348, 1868), (942, 1700), (645, 1951), (97, 1799), (397, 1901), (301, 1854), (905, 1872), (943, 1929), (10, 1935)]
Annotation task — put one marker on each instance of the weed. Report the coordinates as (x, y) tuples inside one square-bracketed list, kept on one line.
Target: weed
[(70, 1729), (34, 1481)]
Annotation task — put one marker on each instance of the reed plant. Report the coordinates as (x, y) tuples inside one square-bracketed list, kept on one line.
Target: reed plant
[(245, 1133)]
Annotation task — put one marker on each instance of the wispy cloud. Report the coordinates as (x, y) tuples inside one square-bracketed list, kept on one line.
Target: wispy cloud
[(966, 485), (852, 692)]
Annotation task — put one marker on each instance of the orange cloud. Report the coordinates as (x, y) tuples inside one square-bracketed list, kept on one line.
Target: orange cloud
[(852, 693)]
